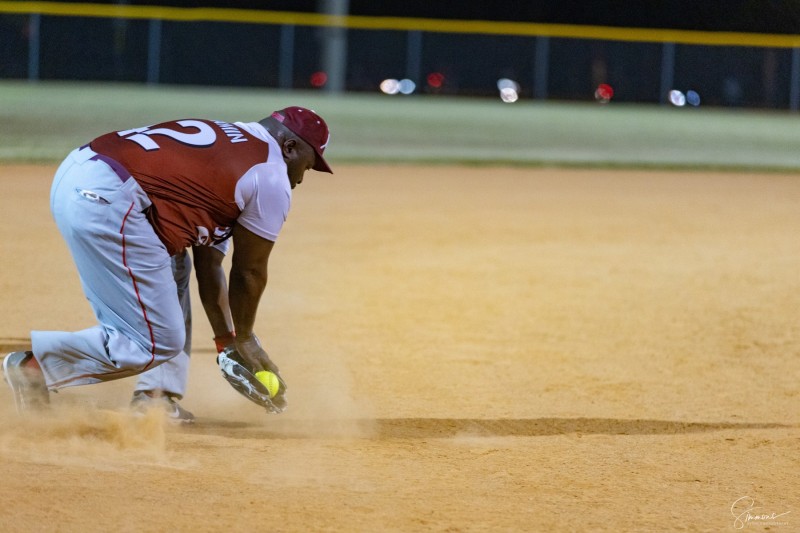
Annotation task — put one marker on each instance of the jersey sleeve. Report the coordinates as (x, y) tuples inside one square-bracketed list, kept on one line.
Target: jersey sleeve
[(264, 195)]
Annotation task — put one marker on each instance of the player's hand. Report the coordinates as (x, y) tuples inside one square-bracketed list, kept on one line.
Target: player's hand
[(242, 376), (249, 347)]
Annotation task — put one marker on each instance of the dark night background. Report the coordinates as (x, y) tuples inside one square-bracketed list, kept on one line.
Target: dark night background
[(209, 53), (761, 16)]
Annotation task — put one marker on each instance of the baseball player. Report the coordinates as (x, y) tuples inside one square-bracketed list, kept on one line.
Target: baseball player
[(129, 201)]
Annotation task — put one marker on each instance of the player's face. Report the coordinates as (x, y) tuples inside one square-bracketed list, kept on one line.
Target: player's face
[(299, 157)]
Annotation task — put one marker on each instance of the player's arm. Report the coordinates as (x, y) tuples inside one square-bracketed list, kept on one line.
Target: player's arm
[(248, 279), (213, 289)]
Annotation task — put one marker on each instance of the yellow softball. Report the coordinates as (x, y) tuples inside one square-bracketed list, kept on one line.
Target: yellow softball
[(270, 381)]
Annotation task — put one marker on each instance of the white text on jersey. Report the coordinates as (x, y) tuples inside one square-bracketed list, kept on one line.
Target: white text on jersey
[(234, 133)]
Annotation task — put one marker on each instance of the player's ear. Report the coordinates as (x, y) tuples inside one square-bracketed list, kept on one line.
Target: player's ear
[(288, 147)]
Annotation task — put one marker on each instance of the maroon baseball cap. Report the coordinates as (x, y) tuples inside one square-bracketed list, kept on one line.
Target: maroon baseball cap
[(310, 127)]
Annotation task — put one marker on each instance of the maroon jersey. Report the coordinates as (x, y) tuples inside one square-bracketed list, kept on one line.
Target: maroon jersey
[(189, 170)]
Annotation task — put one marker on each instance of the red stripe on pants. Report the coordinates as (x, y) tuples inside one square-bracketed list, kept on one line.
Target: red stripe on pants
[(136, 289)]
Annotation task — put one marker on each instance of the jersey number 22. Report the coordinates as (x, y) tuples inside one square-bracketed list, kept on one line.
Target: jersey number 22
[(204, 136)]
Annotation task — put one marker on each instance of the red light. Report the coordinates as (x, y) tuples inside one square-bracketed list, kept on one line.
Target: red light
[(318, 79), (436, 79), (604, 93)]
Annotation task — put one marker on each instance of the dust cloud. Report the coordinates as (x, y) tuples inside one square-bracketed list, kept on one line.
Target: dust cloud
[(74, 434)]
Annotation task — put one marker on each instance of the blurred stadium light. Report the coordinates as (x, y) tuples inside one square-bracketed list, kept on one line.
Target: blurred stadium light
[(677, 98), (390, 86), (407, 86), (509, 90), (604, 93), (435, 80)]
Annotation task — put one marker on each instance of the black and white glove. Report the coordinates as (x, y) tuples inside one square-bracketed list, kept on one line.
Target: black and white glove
[(241, 375)]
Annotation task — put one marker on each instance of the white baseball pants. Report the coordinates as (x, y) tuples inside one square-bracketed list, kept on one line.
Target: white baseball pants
[(126, 274), (171, 376)]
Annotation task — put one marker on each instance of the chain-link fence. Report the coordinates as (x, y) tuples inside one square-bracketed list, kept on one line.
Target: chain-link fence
[(291, 51)]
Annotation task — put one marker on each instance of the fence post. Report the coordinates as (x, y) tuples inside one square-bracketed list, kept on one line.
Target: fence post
[(34, 46), (541, 67), (794, 81), (667, 71), (414, 56), (286, 57), (154, 51), (334, 52)]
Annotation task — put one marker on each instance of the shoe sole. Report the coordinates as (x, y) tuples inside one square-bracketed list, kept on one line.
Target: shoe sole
[(18, 382), (19, 401)]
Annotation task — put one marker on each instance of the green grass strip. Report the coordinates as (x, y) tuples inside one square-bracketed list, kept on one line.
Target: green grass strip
[(43, 121)]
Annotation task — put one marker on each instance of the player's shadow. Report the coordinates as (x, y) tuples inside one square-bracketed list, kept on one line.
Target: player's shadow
[(433, 428)]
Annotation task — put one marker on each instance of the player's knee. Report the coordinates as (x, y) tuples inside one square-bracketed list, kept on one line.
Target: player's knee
[(170, 343)]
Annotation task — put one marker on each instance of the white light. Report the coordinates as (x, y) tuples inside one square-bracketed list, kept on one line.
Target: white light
[(505, 83), (407, 86), (509, 90), (390, 86), (508, 95), (677, 98)]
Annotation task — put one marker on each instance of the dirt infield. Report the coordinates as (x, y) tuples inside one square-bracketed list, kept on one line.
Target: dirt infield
[(467, 349)]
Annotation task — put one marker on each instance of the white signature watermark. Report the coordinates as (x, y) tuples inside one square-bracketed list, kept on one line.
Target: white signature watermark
[(745, 512)]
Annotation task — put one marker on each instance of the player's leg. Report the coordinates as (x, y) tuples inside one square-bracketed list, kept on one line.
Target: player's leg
[(166, 384), (126, 275)]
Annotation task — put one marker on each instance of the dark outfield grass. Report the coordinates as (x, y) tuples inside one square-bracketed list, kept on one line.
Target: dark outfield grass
[(44, 121)]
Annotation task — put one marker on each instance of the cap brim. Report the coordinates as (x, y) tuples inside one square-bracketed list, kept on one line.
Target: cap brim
[(321, 165)]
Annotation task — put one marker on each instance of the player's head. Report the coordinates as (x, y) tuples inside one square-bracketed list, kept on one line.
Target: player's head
[(304, 125)]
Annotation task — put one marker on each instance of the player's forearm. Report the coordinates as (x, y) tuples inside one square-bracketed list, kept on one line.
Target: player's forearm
[(247, 280), (215, 304), (244, 294), (213, 290)]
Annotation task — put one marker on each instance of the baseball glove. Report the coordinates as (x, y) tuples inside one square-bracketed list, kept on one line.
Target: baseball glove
[(238, 373)]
